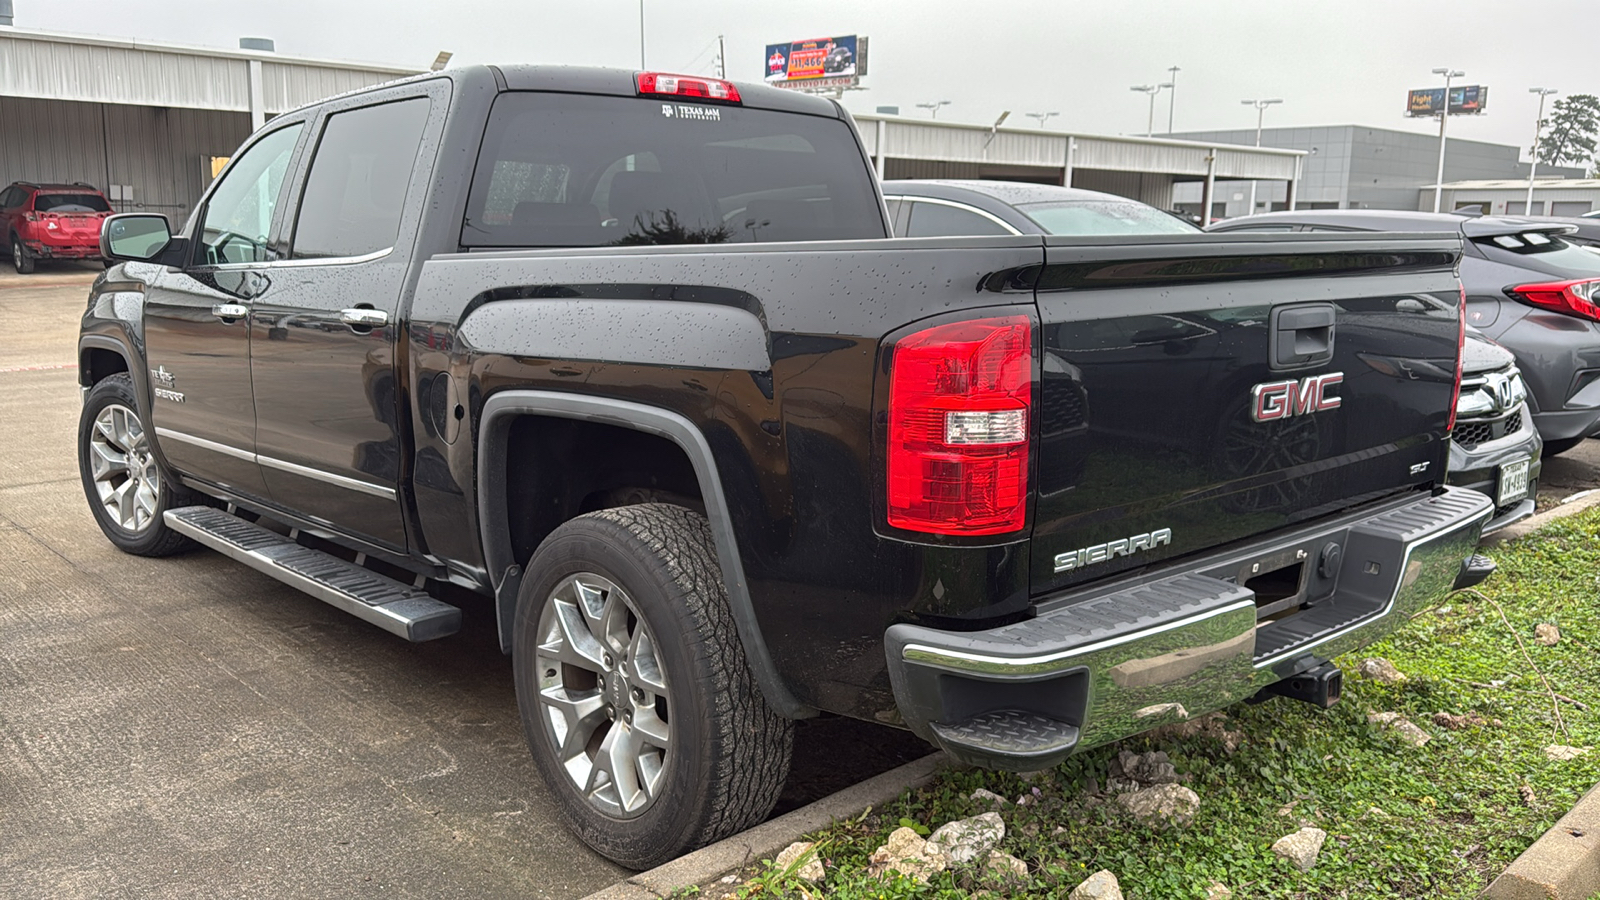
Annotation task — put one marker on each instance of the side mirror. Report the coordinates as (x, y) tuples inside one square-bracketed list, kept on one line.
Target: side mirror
[(139, 237)]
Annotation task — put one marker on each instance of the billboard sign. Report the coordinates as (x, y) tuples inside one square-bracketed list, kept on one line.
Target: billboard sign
[(1465, 100), (830, 62)]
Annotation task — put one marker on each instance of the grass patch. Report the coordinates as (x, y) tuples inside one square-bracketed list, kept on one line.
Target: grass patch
[(1440, 821)]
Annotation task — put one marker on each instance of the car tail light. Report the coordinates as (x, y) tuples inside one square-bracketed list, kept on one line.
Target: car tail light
[(1461, 351), (959, 396), (1573, 298), (31, 217), (691, 87)]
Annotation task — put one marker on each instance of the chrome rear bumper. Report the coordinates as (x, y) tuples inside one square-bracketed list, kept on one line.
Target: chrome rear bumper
[(1101, 666)]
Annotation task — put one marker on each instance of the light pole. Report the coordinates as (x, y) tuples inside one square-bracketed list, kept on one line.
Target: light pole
[(1152, 90), (1042, 117), (1261, 112), (1444, 119), (933, 108), (1172, 97), (641, 34), (1533, 165)]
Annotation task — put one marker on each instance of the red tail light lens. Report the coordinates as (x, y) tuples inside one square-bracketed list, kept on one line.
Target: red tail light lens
[(689, 87), (1461, 350), (1573, 298), (959, 396)]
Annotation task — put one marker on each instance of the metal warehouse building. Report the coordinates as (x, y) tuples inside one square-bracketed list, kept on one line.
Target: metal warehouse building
[(147, 123), (151, 123), (1551, 196), (1142, 168), (1358, 167)]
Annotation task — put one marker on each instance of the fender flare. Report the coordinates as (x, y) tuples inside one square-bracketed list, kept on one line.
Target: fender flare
[(500, 410)]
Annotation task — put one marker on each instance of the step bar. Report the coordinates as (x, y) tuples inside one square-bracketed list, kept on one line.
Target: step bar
[(395, 607)]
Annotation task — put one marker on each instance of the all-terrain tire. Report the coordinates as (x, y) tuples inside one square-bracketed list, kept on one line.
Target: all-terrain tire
[(729, 752), (151, 537)]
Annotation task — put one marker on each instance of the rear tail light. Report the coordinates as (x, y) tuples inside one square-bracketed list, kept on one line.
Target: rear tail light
[(1461, 350), (959, 396), (688, 87), (1573, 298)]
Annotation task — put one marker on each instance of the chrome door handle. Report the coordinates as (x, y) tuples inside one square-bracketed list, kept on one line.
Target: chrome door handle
[(364, 318), (227, 311)]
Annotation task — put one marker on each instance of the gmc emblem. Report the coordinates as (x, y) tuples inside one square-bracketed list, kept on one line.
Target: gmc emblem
[(1282, 399)]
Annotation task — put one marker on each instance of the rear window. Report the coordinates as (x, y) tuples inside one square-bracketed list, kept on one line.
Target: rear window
[(1092, 217), (1547, 253), (578, 170), (70, 203)]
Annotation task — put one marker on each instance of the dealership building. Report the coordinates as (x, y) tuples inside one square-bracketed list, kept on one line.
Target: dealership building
[(151, 124), (1358, 167)]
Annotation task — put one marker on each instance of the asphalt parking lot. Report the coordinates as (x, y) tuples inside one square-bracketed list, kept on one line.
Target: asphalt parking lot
[(187, 727)]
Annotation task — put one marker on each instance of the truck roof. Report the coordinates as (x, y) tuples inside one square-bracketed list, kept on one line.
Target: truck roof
[(619, 82)]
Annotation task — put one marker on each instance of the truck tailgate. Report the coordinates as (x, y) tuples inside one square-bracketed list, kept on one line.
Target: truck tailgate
[(1197, 391)]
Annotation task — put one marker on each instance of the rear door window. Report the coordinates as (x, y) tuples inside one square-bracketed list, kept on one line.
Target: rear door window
[(941, 219), (580, 170), (356, 190)]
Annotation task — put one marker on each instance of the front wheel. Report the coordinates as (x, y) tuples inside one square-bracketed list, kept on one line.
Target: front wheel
[(638, 705), (128, 490)]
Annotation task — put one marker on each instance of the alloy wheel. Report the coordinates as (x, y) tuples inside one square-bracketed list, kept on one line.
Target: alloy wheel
[(126, 477), (603, 695)]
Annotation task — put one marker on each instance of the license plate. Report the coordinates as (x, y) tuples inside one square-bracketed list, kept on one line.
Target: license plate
[(1513, 482)]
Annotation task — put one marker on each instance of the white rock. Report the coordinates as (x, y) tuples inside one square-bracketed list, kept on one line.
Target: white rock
[(811, 870), (1562, 753), (984, 795), (1380, 669), (1164, 804), (1216, 890), (1547, 634), (907, 853), (1401, 726), (1005, 865), (1102, 885), (965, 840), (1301, 848)]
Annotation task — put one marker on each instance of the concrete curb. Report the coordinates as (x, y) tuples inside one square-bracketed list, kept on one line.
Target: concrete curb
[(1535, 522), (765, 840), (1564, 864)]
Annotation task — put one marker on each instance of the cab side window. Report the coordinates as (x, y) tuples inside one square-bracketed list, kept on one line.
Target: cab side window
[(238, 216), (938, 220), (356, 192)]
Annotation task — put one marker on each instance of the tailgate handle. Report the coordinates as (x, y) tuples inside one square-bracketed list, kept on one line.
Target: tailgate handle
[(1302, 335)]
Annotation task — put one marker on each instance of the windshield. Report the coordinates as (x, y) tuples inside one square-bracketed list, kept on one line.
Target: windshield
[(70, 203), (1541, 252), (1092, 217), (577, 170)]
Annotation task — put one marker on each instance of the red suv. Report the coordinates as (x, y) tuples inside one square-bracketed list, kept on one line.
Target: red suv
[(51, 221)]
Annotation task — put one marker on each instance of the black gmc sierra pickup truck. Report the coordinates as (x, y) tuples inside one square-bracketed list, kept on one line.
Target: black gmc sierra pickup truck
[(635, 356)]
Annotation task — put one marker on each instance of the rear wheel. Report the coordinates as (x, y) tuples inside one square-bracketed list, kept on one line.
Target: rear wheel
[(636, 699), (128, 490), (20, 258)]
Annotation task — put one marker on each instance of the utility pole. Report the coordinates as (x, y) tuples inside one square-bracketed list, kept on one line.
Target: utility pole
[(641, 34), (1533, 166), (722, 58), (1261, 111), (1172, 98), (1444, 119)]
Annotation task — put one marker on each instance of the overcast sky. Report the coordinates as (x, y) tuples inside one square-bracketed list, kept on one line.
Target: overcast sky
[(1331, 62)]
